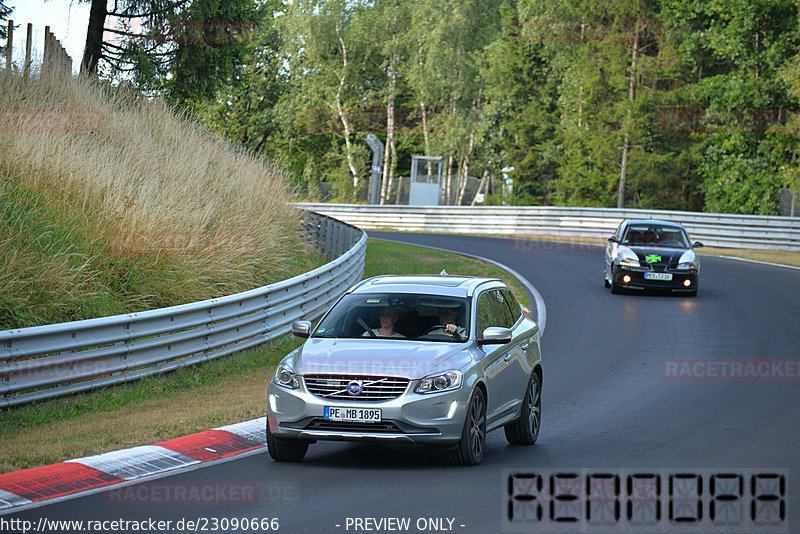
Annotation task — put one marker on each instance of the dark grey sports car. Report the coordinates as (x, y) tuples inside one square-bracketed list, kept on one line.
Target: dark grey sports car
[(651, 254)]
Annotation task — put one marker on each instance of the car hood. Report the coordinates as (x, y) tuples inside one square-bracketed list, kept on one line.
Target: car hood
[(384, 357), (669, 255)]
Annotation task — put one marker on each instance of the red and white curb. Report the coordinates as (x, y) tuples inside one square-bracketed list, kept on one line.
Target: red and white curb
[(24, 488)]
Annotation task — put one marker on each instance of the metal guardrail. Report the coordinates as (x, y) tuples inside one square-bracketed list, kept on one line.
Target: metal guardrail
[(46, 361), (715, 229)]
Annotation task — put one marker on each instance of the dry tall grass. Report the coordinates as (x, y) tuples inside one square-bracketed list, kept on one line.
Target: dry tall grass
[(146, 189)]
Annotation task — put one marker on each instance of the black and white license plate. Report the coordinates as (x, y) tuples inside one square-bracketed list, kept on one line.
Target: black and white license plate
[(667, 277), (353, 415)]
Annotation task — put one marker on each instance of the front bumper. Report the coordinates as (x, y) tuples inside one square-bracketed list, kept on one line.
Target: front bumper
[(638, 281), (431, 419)]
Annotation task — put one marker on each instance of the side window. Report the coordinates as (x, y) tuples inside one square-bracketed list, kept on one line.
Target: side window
[(485, 316), (513, 304), (501, 309)]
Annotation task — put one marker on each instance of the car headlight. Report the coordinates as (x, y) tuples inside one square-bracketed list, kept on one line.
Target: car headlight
[(627, 257), (688, 260), (439, 382), (286, 377)]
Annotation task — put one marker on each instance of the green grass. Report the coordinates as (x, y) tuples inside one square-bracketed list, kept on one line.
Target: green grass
[(385, 257), (138, 208), (193, 399)]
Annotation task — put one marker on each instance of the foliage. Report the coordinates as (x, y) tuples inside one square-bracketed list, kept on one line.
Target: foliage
[(687, 103), (5, 11)]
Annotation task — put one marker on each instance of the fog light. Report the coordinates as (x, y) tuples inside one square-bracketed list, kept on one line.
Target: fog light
[(687, 282), (626, 278)]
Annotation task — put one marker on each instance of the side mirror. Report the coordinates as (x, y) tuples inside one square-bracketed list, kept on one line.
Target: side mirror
[(495, 335), (301, 328), (613, 239), (697, 244)]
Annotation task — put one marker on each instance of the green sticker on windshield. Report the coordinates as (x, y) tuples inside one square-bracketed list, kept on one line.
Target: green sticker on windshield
[(652, 258)]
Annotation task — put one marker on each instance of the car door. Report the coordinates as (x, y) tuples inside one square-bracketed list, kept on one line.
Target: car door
[(495, 364), (517, 370), (611, 249)]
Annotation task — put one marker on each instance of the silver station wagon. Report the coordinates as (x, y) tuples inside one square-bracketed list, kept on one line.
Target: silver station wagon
[(432, 360)]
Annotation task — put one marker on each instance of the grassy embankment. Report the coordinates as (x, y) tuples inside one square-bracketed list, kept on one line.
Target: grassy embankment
[(111, 203), (188, 400)]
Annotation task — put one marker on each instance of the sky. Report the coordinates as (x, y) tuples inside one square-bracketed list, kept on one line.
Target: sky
[(67, 19)]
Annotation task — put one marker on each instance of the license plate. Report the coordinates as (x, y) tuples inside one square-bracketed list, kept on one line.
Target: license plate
[(658, 276), (353, 415)]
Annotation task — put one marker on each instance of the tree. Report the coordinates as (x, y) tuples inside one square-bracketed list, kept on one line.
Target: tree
[(5, 11), (213, 38), (129, 46), (735, 51), (522, 107), (325, 58), (243, 107)]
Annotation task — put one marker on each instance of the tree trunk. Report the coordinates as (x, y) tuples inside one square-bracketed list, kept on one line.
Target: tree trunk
[(389, 148), (465, 169), (483, 188), (580, 83), (342, 115), (448, 179), (623, 174), (93, 50)]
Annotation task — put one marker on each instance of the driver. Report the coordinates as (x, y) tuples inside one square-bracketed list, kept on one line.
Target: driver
[(448, 323)]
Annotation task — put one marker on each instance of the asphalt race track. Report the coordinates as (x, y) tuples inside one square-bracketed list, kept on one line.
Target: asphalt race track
[(618, 395)]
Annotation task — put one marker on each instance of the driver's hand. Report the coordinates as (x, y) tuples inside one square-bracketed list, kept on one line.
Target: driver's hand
[(450, 329)]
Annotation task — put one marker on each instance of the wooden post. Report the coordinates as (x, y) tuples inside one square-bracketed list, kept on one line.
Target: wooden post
[(46, 55), (27, 68), (9, 44)]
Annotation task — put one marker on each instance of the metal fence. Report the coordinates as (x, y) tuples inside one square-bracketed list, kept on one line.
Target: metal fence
[(716, 229), (46, 361)]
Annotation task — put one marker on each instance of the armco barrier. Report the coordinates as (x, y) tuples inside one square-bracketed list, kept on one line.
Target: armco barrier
[(46, 361), (715, 229)]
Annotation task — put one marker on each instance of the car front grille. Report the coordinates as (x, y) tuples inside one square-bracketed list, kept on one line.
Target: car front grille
[(346, 426), (373, 388)]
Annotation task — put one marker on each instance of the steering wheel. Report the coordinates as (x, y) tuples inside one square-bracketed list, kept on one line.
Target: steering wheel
[(365, 326), (455, 334)]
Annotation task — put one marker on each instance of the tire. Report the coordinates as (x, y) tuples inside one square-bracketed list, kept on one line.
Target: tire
[(286, 450), (615, 288), (525, 430), (471, 447)]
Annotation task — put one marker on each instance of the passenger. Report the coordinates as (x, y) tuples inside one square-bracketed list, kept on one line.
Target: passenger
[(389, 317)]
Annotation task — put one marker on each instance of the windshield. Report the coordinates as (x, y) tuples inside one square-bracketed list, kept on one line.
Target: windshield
[(656, 235), (397, 316)]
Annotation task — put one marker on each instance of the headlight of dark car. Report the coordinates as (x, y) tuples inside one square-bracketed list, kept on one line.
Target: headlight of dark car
[(439, 382), (627, 257), (688, 260), (286, 377)]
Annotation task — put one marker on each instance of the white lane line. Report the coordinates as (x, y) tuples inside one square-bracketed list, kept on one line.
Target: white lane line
[(541, 309), (753, 261)]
